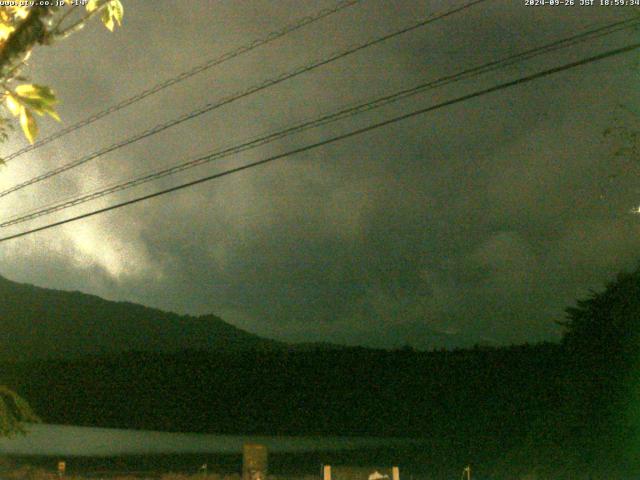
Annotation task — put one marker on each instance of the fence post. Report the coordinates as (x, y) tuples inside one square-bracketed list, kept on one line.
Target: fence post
[(254, 462), (326, 472)]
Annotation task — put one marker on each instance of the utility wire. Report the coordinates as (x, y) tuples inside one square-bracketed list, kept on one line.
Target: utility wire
[(341, 114), (353, 133), (236, 96), (275, 35)]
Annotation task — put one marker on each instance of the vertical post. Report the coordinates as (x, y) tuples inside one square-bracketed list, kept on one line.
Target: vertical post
[(395, 473), (62, 467), (326, 472), (254, 462)]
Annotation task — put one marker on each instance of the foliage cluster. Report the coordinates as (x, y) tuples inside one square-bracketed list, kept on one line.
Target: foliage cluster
[(21, 29)]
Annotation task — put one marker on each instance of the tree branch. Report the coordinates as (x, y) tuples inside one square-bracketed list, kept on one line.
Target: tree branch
[(31, 31)]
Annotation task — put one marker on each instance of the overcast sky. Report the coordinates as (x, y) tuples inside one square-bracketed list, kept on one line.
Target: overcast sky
[(479, 222)]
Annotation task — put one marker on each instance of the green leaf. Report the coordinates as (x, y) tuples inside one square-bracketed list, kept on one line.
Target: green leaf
[(112, 14), (53, 114), (35, 104), (39, 92), (38, 98), (107, 20), (92, 5), (14, 105), (117, 11), (29, 125)]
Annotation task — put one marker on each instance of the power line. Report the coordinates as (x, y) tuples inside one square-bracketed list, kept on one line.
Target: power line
[(323, 120), (337, 138), (275, 35), (236, 96)]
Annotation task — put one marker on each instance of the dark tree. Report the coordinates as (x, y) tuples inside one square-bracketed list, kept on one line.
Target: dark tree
[(13, 412), (602, 368)]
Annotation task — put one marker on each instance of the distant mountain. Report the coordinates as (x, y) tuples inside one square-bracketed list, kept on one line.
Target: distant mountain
[(37, 323)]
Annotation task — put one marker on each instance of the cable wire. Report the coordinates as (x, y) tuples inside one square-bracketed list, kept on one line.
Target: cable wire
[(275, 35), (334, 139), (323, 120), (236, 96)]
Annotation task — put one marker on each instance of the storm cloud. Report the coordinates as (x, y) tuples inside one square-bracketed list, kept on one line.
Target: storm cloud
[(479, 222)]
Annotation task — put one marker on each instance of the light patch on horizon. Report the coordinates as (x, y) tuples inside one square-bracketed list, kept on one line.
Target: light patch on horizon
[(93, 244)]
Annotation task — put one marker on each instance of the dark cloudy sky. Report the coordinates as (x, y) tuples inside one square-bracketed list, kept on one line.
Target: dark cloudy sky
[(478, 222)]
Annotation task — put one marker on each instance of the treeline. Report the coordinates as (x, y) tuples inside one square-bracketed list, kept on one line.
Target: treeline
[(510, 407), (567, 409), (348, 391), (472, 405)]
